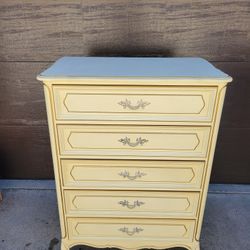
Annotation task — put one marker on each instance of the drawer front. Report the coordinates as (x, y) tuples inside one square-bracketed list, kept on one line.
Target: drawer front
[(115, 174), (133, 141), (131, 229), (133, 103), (82, 203)]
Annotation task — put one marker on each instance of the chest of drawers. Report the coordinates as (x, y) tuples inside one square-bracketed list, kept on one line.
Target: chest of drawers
[(132, 141)]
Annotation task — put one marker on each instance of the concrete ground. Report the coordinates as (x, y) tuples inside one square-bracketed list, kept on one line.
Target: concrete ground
[(29, 217)]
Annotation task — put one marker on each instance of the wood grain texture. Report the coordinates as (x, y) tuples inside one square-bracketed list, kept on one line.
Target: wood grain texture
[(22, 101), (236, 111), (25, 152), (35, 33), (231, 162), (44, 31), (215, 30)]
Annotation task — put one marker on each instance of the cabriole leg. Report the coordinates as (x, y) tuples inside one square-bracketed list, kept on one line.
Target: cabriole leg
[(64, 246), (196, 246)]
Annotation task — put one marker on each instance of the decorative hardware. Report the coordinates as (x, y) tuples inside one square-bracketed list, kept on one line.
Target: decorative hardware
[(127, 104), (139, 141), (131, 233), (126, 203), (138, 174)]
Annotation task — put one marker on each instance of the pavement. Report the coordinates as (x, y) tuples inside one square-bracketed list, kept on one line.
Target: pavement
[(29, 217)]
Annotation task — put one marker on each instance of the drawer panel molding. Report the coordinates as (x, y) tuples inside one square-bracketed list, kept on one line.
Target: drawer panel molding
[(133, 141), (149, 204), (118, 174), (131, 229), (129, 141), (149, 103)]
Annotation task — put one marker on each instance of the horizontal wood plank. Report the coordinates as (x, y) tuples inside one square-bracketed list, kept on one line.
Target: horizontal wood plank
[(231, 162), (35, 33), (25, 152), (236, 110), (217, 30), (38, 31), (22, 100)]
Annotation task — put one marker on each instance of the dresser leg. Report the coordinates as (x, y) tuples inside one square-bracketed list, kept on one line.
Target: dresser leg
[(196, 246), (64, 246)]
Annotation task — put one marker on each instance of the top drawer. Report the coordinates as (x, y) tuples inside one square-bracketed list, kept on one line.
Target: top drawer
[(186, 104)]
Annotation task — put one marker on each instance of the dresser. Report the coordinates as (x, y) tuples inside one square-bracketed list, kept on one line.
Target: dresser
[(133, 141)]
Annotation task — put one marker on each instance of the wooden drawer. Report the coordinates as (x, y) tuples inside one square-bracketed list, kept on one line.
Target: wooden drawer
[(144, 230), (134, 104), (115, 174), (133, 141), (84, 203)]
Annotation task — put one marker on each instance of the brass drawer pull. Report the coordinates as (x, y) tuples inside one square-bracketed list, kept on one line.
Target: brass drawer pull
[(131, 233), (126, 203), (139, 141), (127, 104), (138, 174)]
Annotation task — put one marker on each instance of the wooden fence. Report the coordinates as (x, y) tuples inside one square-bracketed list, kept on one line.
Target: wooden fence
[(35, 33)]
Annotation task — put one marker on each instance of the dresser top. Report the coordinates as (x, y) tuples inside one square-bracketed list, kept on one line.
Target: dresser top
[(97, 67)]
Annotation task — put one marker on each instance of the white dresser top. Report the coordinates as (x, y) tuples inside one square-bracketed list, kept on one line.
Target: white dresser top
[(177, 67)]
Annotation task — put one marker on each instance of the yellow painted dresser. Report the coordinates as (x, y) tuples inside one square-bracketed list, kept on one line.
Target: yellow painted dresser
[(133, 141)]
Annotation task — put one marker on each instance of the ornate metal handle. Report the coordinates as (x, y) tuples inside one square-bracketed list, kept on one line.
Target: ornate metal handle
[(131, 233), (127, 104), (138, 174), (126, 203), (139, 141)]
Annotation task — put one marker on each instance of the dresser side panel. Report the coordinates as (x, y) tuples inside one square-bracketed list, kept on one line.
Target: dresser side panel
[(54, 149), (211, 151)]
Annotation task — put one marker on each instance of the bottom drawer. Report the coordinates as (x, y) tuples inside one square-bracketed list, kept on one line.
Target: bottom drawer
[(152, 230)]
